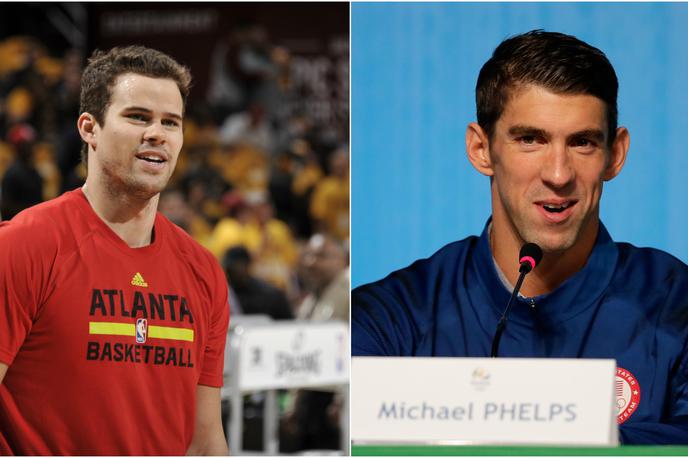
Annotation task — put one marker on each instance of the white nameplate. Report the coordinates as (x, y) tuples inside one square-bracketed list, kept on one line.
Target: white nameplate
[(483, 401), (292, 354)]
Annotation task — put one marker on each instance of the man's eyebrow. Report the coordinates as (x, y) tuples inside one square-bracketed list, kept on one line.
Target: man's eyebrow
[(149, 111), (595, 134), (523, 131)]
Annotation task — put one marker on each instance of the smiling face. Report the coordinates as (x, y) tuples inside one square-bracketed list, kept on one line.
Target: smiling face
[(548, 159), (136, 149)]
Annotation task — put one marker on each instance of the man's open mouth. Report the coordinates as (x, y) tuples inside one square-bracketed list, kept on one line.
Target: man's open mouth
[(151, 158), (554, 208)]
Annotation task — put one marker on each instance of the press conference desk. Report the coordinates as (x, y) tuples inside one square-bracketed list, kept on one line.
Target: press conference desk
[(475, 450)]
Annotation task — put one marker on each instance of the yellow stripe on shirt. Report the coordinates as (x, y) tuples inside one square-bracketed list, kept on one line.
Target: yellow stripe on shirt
[(129, 329), (165, 332), (111, 329)]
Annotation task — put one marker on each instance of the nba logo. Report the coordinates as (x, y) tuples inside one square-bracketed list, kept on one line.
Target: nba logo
[(141, 330)]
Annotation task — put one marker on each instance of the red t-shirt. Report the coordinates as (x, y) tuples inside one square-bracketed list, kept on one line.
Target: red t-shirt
[(105, 343)]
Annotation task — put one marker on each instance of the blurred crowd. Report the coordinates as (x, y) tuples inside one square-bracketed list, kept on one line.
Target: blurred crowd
[(265, 190), (262, 185)]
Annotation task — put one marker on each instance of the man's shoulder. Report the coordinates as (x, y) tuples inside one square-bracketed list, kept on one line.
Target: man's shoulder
[(393, 315), (430, 271), (42, 225), (650, 261), (186, 247), (650, 278), (182, 240), (179, 247), (48, 212)]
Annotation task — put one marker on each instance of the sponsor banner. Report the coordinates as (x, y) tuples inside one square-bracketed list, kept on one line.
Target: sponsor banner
[(290, 355), (484, 401)]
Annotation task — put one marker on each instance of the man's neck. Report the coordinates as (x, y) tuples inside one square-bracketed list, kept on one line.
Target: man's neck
[(130, 218), (554, 269)]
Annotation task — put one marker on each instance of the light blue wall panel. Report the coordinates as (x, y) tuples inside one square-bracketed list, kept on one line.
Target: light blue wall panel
[(414, 68)]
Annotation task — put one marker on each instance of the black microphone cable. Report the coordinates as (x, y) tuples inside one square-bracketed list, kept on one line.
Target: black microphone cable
[(529, 257)]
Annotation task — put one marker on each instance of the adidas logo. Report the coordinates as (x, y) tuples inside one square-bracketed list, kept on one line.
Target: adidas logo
[(139, 281)]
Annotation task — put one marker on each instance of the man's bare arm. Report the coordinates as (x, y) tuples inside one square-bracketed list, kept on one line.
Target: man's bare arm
[(3, 370), (208, 438)]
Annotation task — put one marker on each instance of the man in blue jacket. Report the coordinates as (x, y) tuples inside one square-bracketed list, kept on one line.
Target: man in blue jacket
[(547, 137)]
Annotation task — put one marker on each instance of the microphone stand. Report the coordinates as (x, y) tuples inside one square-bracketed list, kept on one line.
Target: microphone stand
[(502, 321)]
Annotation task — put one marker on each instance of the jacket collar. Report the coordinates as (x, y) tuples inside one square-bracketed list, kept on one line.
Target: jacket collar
[(576, 294)]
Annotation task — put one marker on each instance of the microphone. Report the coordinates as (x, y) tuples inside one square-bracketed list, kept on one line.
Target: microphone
[(529, 257)]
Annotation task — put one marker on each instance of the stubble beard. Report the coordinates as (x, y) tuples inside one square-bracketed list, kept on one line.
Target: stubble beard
[(548, 240), (558, 240), (558, 243), (128, 185)]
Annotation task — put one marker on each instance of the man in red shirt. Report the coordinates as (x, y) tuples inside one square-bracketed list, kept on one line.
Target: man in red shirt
[(113, 320)]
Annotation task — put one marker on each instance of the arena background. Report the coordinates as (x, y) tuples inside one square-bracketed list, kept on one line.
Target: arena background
[(414, 69), (262, 180), (316, 33)]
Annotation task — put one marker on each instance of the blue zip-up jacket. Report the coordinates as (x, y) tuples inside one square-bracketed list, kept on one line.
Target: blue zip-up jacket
[(627, 303)]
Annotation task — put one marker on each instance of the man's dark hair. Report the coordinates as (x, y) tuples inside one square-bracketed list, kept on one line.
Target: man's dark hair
[(105, 67), (560, 63)]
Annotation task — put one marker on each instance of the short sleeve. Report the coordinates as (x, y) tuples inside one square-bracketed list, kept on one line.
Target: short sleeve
[(213, 358), (24, 270)]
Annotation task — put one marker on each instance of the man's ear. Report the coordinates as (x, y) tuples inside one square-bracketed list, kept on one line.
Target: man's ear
[(617, 153), (478, 149), (86, 124)]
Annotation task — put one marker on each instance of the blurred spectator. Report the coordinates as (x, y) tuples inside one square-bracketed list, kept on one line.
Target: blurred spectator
[(244, 166), (202, 181), (307, 174), (240, 65), (325, 276), (280, 188), (68, 143), (269, 240), (278, 94), (22, 185), (24, 79), (254, 295), (293, 176), (225, 92), (330, 202), (68, 89), (19, 106), (292, 129), (250, 128), (7, 155), (44, 162), (174, 206), (313, 422)]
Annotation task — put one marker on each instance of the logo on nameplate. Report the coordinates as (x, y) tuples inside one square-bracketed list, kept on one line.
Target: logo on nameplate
[(480, 378), (141, 330), (627, 390)]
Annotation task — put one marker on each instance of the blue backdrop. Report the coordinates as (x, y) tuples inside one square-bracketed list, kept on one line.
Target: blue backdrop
[(414, 68)]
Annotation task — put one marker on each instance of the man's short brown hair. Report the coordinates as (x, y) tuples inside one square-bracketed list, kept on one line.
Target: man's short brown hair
[(560, 63), (105, 67)]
